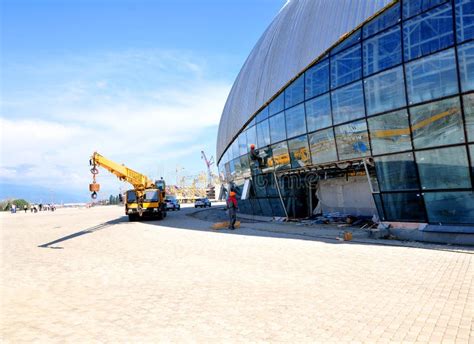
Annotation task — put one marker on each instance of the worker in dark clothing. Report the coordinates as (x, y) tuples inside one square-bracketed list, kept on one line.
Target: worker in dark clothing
[(232, 209)]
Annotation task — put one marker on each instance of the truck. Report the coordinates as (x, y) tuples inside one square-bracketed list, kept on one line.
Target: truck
[(146, 199)]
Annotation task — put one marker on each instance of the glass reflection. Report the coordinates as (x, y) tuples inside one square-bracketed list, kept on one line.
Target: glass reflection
[(277, 128), (295, 121), (317, 79), (323, 146), (277, 105), (281, 157), (443, 168), (437, 124), (385, 91), (386, 19), (299, 152), (466, 66), (390, 133), (263, 134), (465, 19), (428, 32), (432, 77), (468, 101), (352, 140), (346, 67), (397, 172), (450, 207), (403, 207), (318, 113), (294, 94), (383, 51), (348, 103)]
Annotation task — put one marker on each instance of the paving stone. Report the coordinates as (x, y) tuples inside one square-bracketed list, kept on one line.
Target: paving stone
[(178, 281)]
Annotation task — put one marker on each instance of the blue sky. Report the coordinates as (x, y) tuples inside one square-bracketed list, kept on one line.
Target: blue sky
[(143, 82)]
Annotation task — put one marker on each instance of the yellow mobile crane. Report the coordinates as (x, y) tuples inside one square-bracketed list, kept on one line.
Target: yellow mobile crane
[(146, 197)]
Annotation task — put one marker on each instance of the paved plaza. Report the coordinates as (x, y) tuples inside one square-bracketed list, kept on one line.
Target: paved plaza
[(89, 275)]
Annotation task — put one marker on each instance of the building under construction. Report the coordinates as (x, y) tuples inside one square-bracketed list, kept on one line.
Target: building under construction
[(357, 107)]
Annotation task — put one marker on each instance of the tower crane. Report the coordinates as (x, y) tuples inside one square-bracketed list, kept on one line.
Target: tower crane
[(209, 163), (211, 191)]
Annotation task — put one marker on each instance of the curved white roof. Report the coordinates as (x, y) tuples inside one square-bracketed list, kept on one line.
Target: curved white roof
[(300, 33)]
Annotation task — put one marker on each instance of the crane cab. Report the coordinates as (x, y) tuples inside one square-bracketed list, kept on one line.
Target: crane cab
[(152, 205)]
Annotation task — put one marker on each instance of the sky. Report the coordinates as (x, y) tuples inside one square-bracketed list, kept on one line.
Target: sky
[(143, 82)]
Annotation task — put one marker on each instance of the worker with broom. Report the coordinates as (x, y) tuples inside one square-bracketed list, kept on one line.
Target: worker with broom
[(232, 209)]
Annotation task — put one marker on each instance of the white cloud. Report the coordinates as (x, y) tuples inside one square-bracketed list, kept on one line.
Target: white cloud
[(139, 107)]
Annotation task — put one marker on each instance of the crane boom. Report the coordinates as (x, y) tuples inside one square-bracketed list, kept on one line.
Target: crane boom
[(147, 197), (139, 181)]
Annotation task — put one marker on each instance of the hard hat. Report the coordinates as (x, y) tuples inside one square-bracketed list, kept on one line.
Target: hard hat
[(252, 146), (232, 194)]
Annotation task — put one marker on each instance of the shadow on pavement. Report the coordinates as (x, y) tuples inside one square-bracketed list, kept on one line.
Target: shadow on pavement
[(83, 232), (202, 220)]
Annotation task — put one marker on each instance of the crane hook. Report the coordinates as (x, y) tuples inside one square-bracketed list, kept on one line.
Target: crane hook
[(94, 195)]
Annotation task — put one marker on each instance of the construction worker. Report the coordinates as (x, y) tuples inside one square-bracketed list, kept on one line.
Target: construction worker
[(232, 209)]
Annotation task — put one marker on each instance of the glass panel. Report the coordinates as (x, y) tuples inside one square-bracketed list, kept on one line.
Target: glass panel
[(318, 113), (266, 155), (351, 40), (437, 124), (245, 166), (382, 21), (317, 79), (471, 152), (346, 67), (237, 169), (413, 7), (403, 207), (271, 186), (266, 207), (469, 115), (242, 142), (228, 172), (262, 115), (465, 19), (277, 104), (432, 77), (281, 157), (235, 149), (255, 207), (348, 103), (450, 207), (385, 91), (383, 51), (444, 168), (260, 184), (299, 152), (295, 121), (378, 205), (323, 146), (397, 172), (352, 140), (263, 134), (466, 66), (390, 133), (277, 127), (294, 94), (429, 32), (251, 137), (277, 207)]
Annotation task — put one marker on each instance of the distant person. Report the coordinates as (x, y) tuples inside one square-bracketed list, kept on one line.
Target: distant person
[(232, 209), (40, 206), (25, 208), (13, 208)]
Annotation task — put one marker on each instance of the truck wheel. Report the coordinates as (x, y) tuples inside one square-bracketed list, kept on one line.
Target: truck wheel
[(132, 217)]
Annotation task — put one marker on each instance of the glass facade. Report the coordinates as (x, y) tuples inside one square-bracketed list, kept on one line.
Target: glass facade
[(398, 90)]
